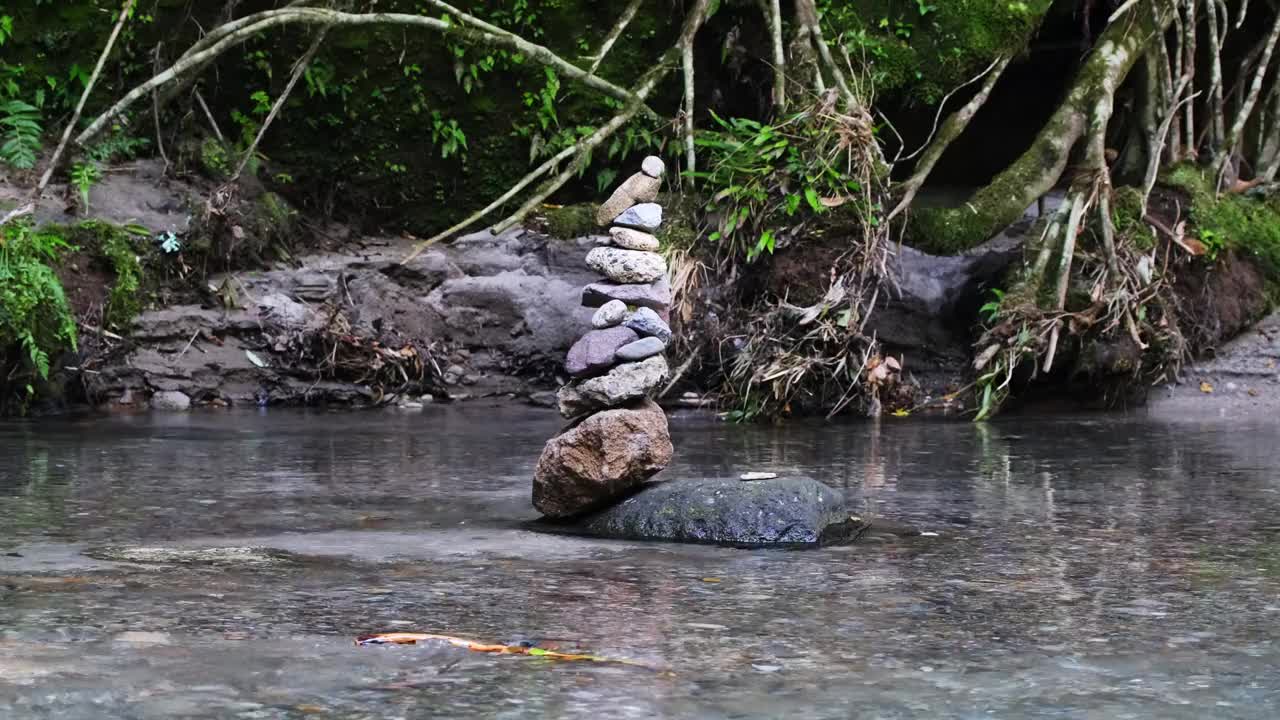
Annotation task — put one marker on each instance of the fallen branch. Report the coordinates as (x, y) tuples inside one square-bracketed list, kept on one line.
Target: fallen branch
[(471, 30), (84, 97), (1232, 142), (950, 130), (298, 69), (627, 16)]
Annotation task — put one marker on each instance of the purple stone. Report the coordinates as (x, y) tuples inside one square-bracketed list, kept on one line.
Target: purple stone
[(595, 352)]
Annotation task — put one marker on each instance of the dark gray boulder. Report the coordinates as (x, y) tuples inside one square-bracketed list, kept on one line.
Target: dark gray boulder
[(782, 511)]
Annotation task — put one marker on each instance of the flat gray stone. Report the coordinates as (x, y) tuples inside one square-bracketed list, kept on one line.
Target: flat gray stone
[(629, 239), (610, 314), (655, 296), (648, 323), (627, 266), (646, 217), (595, 352), (653, 166), (619, 386), (640, 349)]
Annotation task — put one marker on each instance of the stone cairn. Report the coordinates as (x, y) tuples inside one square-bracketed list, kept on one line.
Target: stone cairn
[(620, 437)]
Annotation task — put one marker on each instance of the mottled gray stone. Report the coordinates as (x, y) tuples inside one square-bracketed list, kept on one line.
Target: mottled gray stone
[(656, 295), (629, 239), (610, 314), (653, 166), (646, 217), (619, 386), (594, 352), (784, 511), (647, 323), (627, 266), (638, 188), (640, 349)]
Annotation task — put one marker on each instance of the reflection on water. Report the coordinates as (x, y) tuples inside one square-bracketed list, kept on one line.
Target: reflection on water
[(1085, 568)]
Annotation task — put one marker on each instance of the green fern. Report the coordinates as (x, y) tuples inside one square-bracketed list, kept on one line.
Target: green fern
[(20, 141), (35, 318), (83, 176)]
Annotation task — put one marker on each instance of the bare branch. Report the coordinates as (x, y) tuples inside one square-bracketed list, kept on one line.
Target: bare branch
[(951, 129), (690, 150), (84, 97), (627, 16), (471, 31), (1246, 109), (299, 68)]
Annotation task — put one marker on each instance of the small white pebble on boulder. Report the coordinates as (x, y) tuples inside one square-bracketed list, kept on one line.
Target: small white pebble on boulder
[(653, 166), (610, 314)]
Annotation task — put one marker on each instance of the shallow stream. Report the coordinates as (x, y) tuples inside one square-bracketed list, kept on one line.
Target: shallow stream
[(1103, 567)]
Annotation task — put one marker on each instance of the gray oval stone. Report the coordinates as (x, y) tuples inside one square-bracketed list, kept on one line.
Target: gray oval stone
[(610, 314), (648, 323), (629, 239), (627, 266), (640, 349), (646, 217), (620, 385)]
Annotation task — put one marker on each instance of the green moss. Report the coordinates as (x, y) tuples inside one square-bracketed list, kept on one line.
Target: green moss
[(924, 56), (571, 221), (679, 229), (1249, 225), (215, 159), (114, 247), (1126, 215)]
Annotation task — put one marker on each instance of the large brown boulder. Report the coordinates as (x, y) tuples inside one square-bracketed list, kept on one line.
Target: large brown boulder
[(601, 459)]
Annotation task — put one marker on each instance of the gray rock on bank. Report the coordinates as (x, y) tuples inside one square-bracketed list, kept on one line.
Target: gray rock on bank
[(601, 459), (620, 385)]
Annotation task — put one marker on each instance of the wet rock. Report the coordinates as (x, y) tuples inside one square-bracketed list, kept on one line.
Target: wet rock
[(647, 323), (655, 296), (785, 511), (629, 239), (627, 266), (646, 217), (601, 459), (640, 349), (637, 189), (653, 166), (610, 314), (170, 401), (237, 556), (594, 353), (619, 386)]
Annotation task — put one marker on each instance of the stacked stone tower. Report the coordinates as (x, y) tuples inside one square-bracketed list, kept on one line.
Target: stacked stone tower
[(619, 437)]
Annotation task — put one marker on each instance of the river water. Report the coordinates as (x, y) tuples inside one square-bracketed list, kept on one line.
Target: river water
[(1103, 567)]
